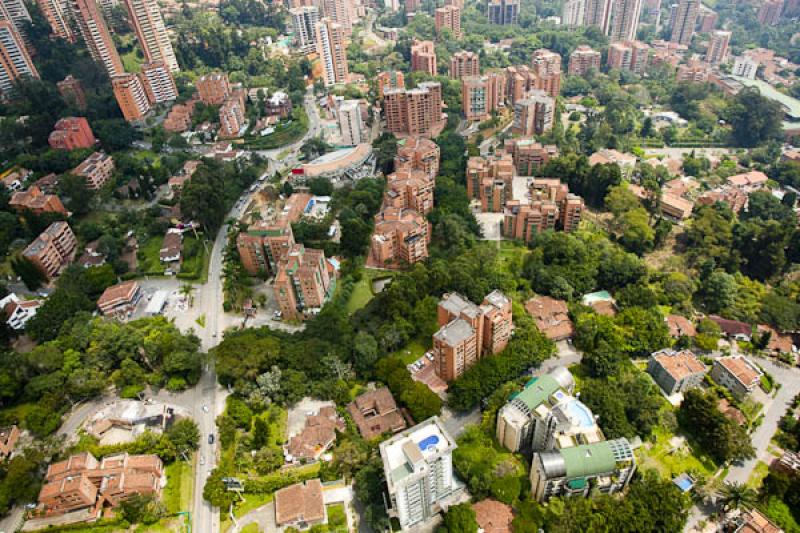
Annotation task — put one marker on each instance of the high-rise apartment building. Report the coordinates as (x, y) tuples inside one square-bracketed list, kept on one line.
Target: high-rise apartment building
[(94, 31), (706, 19), (53, 249), (503, 12), (232, 117), (448, 17), (401, 237), (582, 59), (213, 89), (770, 12), (131, 96), (468, 332), (390, 79), (631, 56), (463, 64), (409, 189), (718, 47), (71, 133), (482, 95), (15, 63), (418, 464), (489, 180), (624, 20), (303, 283), (423, 57), (145, 17), (350, 123), (597, 13), (529, 155), (15, 12), (414, 111), (304, 22), (159, 85), (332, 50), (264, 245), (547, 71), (417, 153), (535, 114), (72, 92), (573, 13), (551, 207), (58, 16), (684, 21), (338, 11)]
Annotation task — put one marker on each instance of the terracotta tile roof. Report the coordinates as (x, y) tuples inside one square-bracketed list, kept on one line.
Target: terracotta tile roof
[(778, 342), (732, 327), (755, 522), (375, 412), (731, 412), (679, 325), (551, 317), (740, 369), (493, 516), (117, 293), (606, 308), (301, 502), (680, 364), (317, 436)]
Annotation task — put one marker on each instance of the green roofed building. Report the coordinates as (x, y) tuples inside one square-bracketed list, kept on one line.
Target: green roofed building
[(607, 466)]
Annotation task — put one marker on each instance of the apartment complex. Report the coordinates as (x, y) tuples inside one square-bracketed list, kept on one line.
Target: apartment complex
[(53, 249), (96, 170), (582, 59), (448, 17), (82, 483), (521, 80), (624, 20), (37, 202), (489, 180), (676, 371), (546, 415), (534, 114), (547, 71), (120, 300), (304, 282), (264, 245), (573, 12), (606, 466), (339, 11), (213, 89), (423, 57), (418, 464), (350, 124), (503, 12), (58, 17), (482, 95), (464, 64), (71, 133), (414, 111), (15, 62), (629, 55), (145, 17), (684, 21), (95, 34), (332, 49), (417, 153), (304, 22), (131, 96), (401, 237), (409, 189), (551, 207), (718, 47), (72, 92), (745, 67), (158, 83), (769, 13), (737, 374), (390, 79), (597, 13), (468, 332), (232, 119), (529, 155)]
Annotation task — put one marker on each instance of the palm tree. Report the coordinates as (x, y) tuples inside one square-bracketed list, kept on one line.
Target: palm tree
[(737, 496), (186, 290)]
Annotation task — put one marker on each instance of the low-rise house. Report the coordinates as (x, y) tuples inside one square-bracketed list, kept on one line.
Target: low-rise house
[(316, 437), (36, 201), (680, 326), (737, 374), (9, 436), (601, 302), (674, 371), (92, 256), (749, 181), (779, 343), (788, 463), (626, 162), (731, 412), (172, 246), (733, 329), (300, 505), (551, 317), (14, 179), (18, 311), (676, 207), (375, 413), (733, 198), (120, 300), (493, 516), (751, 521)]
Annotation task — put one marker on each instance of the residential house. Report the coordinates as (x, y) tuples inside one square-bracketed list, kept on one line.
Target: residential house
[(120, 300), (551, 317), (733, 329), (316, 437), (737, 374), (375, 413), (300, 506), (493, 516), (680, 326), (18, 311), (172, 246), (676, 371), (9, 436)]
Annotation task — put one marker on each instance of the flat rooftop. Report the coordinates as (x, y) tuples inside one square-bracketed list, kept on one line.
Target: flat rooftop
[(407, 452)]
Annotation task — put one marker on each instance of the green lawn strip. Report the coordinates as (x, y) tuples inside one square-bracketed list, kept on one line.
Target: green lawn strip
[(362, 294), (149, 256), (178, 491), (412, 351), (669, 462), (251, 503), (757, 475)]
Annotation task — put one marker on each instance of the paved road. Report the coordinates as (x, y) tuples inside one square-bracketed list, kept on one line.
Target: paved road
[(789, 379), (314, 129)]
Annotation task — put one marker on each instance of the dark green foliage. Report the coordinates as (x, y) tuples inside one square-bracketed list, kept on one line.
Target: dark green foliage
[(420, 400), (721, 438), (460, 519), (754, 118)]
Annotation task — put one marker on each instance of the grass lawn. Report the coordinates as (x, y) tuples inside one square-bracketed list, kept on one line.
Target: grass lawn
[(362, 294), (250, 528), (757, 475), (670, 462), (284, 133), (511, 255), (413, 351), (149, 256), (251, 503), (277, 417), (196, 267), (178, 492), (337, 518)]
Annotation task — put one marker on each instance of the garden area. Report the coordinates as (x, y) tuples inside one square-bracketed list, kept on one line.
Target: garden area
[(286, 132)]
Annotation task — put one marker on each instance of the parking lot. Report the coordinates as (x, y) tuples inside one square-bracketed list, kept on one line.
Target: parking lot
[(423, 370)]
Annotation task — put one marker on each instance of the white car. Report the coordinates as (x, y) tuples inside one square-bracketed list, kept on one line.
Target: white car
[(205, 408)]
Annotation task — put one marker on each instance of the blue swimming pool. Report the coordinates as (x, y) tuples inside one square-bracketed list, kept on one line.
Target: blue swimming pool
[(428, 442), (579, 414)]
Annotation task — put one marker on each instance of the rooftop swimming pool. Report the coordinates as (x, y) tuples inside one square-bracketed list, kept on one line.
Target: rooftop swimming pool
[(428, 442)]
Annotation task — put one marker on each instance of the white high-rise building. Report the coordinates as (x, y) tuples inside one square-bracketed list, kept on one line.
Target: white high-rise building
[(15, 12), (418, 464), (15, 62), (158, 82), (624, 20), (304, 22), (573, 13), (151, 32), (746, 67), (350, 123)]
